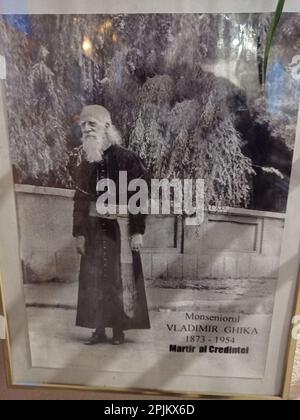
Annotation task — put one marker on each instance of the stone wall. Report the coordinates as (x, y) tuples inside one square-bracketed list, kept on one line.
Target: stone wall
[(231, 244)]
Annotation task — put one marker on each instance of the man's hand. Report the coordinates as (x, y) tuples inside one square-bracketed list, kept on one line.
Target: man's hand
[(109, 216), (106, 212), (80, 245), (136, 242)]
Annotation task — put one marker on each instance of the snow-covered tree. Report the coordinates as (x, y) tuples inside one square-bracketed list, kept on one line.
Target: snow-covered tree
[(184, 90)]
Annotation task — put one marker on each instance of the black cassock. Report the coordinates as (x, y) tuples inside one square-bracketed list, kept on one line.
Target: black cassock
[(101, 293)]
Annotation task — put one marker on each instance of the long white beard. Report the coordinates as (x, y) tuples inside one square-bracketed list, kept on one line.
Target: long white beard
[(94, 149), (95, 144)]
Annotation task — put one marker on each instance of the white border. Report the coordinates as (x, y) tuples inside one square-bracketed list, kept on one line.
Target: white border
[(2, 68), (142, 6)]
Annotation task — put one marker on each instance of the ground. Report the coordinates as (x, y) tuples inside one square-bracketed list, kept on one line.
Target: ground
[(56, 341), (240, 296)]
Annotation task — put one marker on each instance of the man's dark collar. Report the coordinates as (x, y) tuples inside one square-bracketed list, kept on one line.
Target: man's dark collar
[(109, 150)]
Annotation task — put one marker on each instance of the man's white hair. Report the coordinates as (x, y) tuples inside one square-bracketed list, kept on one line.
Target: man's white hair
[(114, 135), (96, 112)]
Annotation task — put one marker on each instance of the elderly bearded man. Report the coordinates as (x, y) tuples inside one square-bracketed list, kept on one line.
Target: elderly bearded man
[(111, 287)]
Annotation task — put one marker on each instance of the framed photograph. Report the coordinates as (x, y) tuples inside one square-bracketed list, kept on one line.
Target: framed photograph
[(150, 195)]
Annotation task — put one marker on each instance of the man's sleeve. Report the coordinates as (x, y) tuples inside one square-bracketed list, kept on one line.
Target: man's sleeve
[(80, 213), (81, 203)]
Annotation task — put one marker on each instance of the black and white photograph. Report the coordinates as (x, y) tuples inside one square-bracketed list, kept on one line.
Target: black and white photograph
[(104, 110)]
